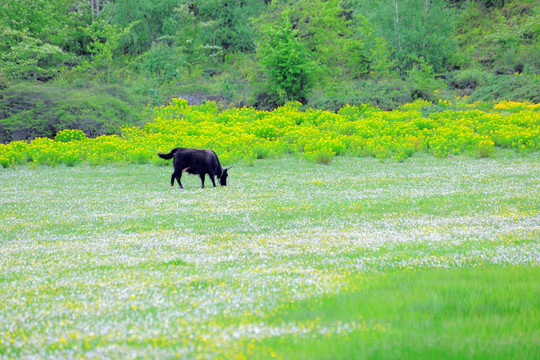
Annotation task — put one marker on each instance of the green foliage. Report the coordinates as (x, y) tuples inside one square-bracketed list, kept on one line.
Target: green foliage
[(71, 36), (104, 45), (322, 30), (501, 38), (320, 156), (240, 75), (25, 56), (367, 53), (287, 63), (186, 51), (315, 135), (70, 135), (163, 62), (341, 40), (468, 80), (508, 87), (385, 94), (415, 29), (3, 83), (231, 28), (38, 18), (38, 38), (218, 23), (152, 20), (27, 112), (327, 54), (422, 83)]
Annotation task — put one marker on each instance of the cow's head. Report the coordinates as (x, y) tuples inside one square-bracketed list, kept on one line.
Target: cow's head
[(223, 176)]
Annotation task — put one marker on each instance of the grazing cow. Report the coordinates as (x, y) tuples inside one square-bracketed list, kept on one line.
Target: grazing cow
[(194, 161)]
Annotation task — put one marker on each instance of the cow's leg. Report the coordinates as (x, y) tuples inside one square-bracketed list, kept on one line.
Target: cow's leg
[(202, 180), (173, 176), (212, 178), (178, 177)]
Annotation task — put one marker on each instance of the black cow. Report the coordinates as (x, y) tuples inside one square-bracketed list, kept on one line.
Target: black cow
[(195, 161)]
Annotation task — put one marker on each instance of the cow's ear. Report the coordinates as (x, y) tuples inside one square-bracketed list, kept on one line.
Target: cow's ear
[(227, 168)]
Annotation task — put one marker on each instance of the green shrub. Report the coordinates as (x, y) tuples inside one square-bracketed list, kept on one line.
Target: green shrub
[(469, 79), (320, 156), (69, 135), (318, 136), (485, 147), (31, 111), (508, 87), (422, 83), (385, 94)]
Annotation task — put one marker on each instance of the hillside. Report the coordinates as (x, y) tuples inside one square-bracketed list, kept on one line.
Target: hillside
[(95, 65)]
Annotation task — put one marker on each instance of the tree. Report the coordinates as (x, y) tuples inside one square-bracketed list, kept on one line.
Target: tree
[(153, 18), (287, 63), (188, 48), (232, 29), (103, 47), (29, 45), (321, 27), (97, 7), (415, 29), (27, 57), (38, 18), (340, 40)]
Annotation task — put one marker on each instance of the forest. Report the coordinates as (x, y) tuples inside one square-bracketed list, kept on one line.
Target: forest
[(98, 65)]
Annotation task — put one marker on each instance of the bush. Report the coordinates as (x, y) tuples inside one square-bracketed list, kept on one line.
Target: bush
[(319, 136), (31, 111), (287, 63), (467, 81), (422, 83), (386, 95), (508, 87), (69, 135), (320, 156)]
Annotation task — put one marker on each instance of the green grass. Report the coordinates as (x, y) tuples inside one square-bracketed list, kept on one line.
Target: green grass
[(430, 258), (475, 313)]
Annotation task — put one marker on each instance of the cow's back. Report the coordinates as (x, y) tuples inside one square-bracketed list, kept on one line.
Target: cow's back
[(196, 161)]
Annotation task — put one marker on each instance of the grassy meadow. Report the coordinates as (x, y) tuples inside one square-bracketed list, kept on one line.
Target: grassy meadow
[(427, 258)]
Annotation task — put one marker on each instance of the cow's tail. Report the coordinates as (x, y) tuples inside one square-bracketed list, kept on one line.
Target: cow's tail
[(167, 156)]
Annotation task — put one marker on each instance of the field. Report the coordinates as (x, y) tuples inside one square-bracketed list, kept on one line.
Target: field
[(428, 258)]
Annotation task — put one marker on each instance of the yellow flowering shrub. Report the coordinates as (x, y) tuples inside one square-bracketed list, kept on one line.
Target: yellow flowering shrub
[(247, 134)]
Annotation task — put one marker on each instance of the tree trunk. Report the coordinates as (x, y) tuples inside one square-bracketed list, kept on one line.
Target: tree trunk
[(97, 7), (396, 24), (93, 7), (426, 3)]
